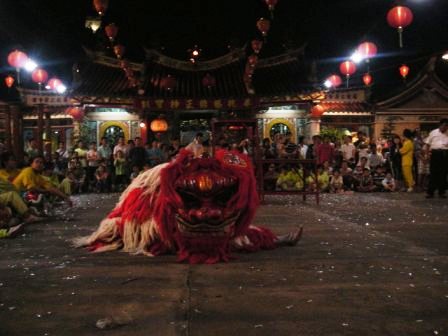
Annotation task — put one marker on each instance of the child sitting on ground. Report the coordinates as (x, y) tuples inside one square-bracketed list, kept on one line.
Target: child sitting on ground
[(378, 177), (389, 183), (336, 183), (366, 182), (101, 178)]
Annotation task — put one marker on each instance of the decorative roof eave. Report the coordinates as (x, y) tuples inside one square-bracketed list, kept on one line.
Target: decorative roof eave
[(288, 57), (103, 100), (427, 76), (347, 113), (157, 57), (101, 58)]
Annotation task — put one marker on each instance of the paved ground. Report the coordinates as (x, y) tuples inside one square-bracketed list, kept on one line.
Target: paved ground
[(368, 265)]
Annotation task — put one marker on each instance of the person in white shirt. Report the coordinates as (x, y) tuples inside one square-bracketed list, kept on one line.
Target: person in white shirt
[(388, 183), (120, 146), (437, 142), (348, 149)]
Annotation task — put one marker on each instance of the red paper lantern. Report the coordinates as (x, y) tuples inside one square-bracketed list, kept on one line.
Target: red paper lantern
[(335, 81), (101, 6), (271, 4), (367, 50), (119, 50), (9, 81), (39, 76), (256, 46), (249, 70), (347, 68), (404, 71), (367, 79), (124, 64), (76, 112), (252, 60), (168, 82), (400, 17), (17, 59), (159, 125), (263, 26), (208, 81), (317, 111), (54, 82), (111, 31)]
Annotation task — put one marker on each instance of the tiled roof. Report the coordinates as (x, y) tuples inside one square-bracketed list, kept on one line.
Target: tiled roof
[(281, 75), (346, 107)]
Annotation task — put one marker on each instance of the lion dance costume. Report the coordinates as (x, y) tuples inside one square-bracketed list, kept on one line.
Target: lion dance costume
[(199, 208)]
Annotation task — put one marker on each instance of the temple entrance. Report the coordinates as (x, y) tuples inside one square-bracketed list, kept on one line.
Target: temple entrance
[(112, 133)]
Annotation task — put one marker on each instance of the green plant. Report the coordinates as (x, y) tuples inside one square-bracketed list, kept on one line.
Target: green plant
[(333, 133)]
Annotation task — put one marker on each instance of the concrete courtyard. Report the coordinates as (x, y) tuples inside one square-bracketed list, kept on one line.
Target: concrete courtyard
[(368, 264)]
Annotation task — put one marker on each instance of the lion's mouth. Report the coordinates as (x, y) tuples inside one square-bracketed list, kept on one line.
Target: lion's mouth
[(215, 229)]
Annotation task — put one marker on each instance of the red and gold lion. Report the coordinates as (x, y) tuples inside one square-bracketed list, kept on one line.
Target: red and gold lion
[(199, 208)]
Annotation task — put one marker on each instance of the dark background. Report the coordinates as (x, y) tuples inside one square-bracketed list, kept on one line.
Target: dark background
[(53, 33)]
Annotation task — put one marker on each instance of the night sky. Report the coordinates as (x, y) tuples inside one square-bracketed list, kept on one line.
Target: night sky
[(53, 32)]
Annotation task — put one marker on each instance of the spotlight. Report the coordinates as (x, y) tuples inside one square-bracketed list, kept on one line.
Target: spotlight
[(30, 65)]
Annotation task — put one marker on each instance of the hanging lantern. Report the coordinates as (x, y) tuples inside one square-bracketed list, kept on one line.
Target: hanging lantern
[(124, 64), (347, 68), (317, 111), (263, 26), (249, 70), (367, 50), (53, 83), (256, 46), (101, 6), (334, 81), (39, 76), (168, 83), (252, 60), (119, 51), (208, 81), (404, 71), (17, 59), (400, 17), (271, 6), (111, 31), (159, 125), (367, 79), (9, 81), (76, 112)]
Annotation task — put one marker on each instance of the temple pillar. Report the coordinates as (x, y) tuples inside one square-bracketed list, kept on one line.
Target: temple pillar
[(16, 131), (40, 128), (313, 127), (8, 135), (76, 132)]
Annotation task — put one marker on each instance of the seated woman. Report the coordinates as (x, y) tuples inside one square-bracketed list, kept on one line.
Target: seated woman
[(30, 180), (323, 180), (289, 179)]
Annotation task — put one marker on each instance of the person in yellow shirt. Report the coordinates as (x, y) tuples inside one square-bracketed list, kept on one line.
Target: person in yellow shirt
[(407, 155), (30, 179)]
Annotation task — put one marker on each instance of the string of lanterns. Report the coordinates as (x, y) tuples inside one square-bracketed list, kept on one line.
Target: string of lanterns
[(399, 17), (19, 60)]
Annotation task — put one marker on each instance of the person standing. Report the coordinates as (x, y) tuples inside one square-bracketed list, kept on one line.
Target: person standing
[(196, 145), (407, 158), (137, 154), (437, 142)]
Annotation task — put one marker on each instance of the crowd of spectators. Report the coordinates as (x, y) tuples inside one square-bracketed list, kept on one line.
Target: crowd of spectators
[(400, 163)]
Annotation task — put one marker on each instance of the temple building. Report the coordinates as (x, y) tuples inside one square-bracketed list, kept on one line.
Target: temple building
[(190, 96)]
